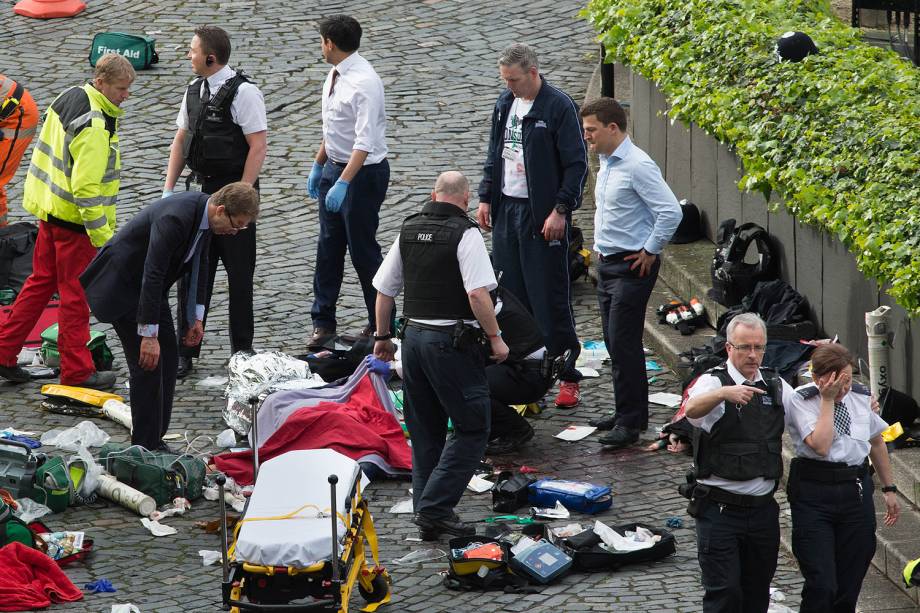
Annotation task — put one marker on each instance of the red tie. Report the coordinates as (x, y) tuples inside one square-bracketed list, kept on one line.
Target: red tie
[(335, 75)]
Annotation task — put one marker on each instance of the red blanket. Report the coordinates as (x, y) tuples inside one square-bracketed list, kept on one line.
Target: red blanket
[(355, 428), (31, 580)]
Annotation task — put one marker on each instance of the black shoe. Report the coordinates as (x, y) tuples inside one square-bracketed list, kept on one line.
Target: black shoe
[(15, 374), (320, 337), (510, 443), (185, 367), (99, 381), (430, 528), (162, 446), (604, 423), (620, 436)]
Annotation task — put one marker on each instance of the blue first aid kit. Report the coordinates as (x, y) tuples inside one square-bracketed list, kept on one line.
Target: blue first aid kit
[(574, 495)]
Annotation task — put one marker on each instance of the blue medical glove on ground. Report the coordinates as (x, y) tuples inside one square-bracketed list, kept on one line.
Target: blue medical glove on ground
[(336, 196), (316, 173)]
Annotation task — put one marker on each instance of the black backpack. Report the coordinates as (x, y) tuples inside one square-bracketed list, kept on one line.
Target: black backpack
[(732, 277), (17, 241)]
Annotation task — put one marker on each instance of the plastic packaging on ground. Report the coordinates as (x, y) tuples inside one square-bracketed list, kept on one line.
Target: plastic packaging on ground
[(85, 433), (418, 556)]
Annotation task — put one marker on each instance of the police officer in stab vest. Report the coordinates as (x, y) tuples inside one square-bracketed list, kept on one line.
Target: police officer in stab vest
[(222, 138), (737, 411), (440, 260)]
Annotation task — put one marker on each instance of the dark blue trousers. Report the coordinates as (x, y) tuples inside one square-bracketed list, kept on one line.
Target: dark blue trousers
[(511, 383), (737, 549), (441, 382), (151, 391), (833, 538), (353, 228), (537, 272), (623, 296)]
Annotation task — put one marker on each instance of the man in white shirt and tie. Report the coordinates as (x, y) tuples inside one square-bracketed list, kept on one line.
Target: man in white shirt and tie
[(350, 174)]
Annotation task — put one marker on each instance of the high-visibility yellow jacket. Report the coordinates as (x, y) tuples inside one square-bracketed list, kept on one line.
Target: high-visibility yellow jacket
[(75, 168)]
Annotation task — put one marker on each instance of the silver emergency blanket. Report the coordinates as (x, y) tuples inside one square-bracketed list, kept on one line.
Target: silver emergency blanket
[(259, 375)]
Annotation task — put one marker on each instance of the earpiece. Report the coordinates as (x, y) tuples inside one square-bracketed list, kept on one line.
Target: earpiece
[(209, 61)]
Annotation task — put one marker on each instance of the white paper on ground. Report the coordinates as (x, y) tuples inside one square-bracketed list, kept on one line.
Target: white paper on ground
[(403, 506), (588, 373), (479, 485), (557, 512), (156, 528), (575, 433), (208, 557), (665, 398), (124, 608)]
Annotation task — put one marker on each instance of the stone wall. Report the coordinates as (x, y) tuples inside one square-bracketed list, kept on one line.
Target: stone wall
[(701, 169)]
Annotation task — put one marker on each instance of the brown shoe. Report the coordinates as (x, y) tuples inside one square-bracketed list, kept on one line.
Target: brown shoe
[(320, 336)]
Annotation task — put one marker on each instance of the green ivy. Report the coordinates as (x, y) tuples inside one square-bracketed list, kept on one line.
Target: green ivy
[(837, 135)]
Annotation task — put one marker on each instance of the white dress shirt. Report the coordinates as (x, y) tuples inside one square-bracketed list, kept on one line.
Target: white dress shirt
[(354, 115), (247, 109), (852, 448), (708, 383)]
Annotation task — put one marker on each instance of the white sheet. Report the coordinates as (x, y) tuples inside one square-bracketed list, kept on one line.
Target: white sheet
[(286, 483)]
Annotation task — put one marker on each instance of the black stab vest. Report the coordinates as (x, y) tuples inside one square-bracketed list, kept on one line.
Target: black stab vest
[(744, 443), (520, 330), (433, 286), (215, 146)]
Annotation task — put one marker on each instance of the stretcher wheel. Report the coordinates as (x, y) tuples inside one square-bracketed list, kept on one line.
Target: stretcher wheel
[(380, 587)]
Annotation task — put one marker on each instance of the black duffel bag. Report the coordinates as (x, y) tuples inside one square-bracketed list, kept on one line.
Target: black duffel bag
[(17, 240), (585, 549)]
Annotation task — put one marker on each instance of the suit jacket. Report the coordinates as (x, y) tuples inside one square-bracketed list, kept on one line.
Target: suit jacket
[(131, 275)]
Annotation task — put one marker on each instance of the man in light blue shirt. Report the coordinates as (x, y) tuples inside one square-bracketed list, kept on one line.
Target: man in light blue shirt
[(635, 218)]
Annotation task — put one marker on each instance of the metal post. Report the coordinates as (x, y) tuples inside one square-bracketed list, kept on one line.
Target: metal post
[(254, 413), (225, 562), (333, 479), (606, 76)]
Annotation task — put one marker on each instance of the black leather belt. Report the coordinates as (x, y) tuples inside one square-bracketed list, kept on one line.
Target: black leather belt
[(67, 225), (422, 326), (615, 257), (721, 496), (828, 472), (339, 164)]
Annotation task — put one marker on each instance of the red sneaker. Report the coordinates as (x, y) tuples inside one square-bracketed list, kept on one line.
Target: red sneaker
[(569, 395)]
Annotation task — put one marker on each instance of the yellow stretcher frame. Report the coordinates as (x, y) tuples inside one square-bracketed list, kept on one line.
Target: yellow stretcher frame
[(353, 561)]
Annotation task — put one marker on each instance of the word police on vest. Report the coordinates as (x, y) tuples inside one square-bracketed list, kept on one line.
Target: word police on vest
[(128, 53), (425, 237)]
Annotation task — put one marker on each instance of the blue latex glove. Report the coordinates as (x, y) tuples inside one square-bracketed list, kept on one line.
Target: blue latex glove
[(316, 173), (167, 193), (100, 585), (336, 196), (378, 366)]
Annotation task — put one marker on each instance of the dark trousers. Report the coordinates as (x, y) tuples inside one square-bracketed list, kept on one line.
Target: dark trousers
[(512, 384), (353, 227), (737, 549), (537, 272), (151, 390), (833, 538), (623, 296), (442, 382), (238, 254)]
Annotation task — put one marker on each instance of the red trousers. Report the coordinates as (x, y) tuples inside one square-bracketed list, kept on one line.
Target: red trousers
[(18, 130), (60, 257)]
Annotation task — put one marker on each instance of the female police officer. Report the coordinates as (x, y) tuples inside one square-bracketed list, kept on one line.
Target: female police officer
[(834, 429)]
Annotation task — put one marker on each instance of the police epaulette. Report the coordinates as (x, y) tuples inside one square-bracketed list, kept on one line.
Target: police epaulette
[(808, 391), (714, 369), (859, 388)]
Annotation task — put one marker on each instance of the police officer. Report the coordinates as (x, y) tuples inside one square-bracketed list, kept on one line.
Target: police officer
[(523, 378), (440, 260), (834, 430), (737, 410), (222, 138)]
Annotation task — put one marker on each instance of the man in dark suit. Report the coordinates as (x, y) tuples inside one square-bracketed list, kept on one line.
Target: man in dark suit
[(127, 284)]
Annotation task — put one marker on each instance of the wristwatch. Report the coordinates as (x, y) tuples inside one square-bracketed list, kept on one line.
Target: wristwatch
[(383, 337), (561, 209), (890, 488)]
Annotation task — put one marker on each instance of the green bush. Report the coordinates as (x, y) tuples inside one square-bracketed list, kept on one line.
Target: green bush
[(837, 135)]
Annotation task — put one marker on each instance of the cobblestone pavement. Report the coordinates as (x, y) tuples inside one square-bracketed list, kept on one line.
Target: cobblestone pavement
[(437, 60)]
